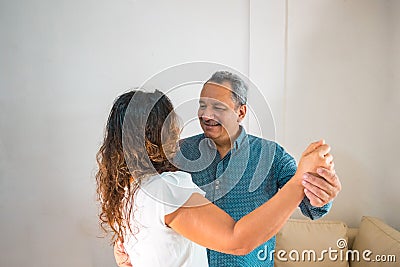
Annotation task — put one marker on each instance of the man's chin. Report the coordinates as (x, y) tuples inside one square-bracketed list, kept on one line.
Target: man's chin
[(210, 132), (209, 135)]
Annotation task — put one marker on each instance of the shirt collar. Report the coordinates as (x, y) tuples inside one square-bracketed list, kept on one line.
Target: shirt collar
[(239, 140)]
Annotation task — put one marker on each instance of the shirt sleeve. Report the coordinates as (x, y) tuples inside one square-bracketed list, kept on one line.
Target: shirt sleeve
[(286, 168), (170, 192)]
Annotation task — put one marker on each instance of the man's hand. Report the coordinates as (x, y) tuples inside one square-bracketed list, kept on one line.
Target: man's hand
[(322, 187), (121, 257)]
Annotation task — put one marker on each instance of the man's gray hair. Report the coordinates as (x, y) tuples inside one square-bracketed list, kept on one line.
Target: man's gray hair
[(238, 86)]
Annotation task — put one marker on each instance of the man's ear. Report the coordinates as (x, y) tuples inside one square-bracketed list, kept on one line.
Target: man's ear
[(242, 112)]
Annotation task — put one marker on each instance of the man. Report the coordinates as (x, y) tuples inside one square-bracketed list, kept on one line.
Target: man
[(238, 171)]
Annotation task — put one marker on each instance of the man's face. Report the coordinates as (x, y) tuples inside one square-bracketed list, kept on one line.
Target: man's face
[(219, 115)]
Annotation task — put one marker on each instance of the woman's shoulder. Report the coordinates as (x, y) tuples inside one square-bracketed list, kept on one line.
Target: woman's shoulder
[(176, 176), (170, 189), (175, 179)]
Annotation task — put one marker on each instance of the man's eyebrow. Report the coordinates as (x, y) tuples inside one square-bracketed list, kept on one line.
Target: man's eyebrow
[(219, 104)]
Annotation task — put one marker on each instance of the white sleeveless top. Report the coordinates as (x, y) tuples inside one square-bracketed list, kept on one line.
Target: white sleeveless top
[(153, 243)]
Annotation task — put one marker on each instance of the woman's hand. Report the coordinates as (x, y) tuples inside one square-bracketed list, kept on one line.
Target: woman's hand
[(315, 156), (121, 257), (317, 174)]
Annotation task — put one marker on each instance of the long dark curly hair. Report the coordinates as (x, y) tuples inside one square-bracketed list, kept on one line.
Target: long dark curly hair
[(140, 137)]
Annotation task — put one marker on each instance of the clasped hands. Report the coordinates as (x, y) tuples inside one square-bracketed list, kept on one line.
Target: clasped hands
[(317, 174)]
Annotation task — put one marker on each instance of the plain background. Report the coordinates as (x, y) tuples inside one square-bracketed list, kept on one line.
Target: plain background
[(329, 69)]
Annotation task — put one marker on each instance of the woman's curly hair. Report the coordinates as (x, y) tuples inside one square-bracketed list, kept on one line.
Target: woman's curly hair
[(141, 136)]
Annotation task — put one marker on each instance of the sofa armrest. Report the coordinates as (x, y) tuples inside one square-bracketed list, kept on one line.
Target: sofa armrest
[(381, 240)]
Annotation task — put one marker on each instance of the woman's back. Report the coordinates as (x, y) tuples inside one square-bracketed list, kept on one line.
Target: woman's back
[(154, 243)]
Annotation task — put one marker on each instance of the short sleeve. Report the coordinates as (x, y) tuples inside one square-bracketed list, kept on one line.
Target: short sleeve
[(170, 191)]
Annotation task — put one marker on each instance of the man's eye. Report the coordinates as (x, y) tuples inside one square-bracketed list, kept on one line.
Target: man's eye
[(202, 106), (219, 108)]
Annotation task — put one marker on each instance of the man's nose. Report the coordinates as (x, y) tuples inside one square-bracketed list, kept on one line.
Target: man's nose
[(206, 113)]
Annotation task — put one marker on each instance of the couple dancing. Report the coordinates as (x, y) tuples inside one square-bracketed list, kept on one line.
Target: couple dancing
[(164, 205)]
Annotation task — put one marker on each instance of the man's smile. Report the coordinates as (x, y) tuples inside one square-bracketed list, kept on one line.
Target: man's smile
[(210, 122)]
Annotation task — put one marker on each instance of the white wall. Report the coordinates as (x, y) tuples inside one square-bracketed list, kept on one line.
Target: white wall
[(332, 74), (341, 86), (62, 64), (266, 61)]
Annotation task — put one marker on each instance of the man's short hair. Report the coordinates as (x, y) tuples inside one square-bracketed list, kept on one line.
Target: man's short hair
[(238, 86)]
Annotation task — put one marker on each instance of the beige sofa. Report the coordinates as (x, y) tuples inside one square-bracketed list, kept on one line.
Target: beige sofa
[(331, 243)]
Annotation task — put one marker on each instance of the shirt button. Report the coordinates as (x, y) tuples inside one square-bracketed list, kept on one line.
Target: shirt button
[(217, 182), (217, 187)]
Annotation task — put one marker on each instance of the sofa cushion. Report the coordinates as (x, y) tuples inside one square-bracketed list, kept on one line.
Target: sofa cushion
[(380, 239), (351, 235), (298, 240)]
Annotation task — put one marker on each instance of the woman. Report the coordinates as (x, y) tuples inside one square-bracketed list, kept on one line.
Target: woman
[(156, 210)]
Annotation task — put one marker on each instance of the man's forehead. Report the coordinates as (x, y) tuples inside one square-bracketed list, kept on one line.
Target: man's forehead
[(211, 100), (218, 92)]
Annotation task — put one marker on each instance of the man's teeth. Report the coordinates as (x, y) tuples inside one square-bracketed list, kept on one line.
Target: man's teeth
[(211, 123)]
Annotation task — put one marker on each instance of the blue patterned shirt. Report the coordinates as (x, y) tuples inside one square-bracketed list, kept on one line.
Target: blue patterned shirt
[(249, 175)]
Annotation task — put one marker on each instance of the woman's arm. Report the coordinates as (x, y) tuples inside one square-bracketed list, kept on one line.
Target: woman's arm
[(211, 227)]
